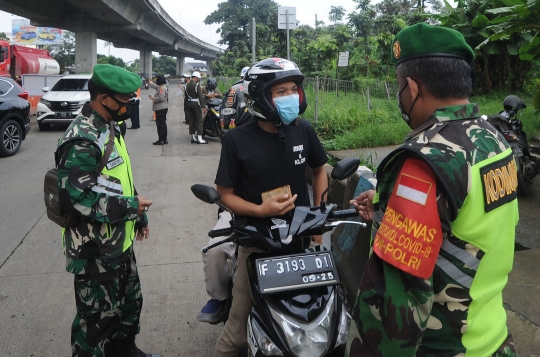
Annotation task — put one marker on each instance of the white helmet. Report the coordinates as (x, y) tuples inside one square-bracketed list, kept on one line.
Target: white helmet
[(196, 74), (243, 72)]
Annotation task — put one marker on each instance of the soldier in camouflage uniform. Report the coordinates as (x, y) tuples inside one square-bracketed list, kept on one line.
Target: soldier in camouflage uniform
[(444, 216), (99, 250)]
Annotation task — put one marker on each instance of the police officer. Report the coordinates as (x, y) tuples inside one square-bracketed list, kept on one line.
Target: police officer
[(182, 87), (444, 216), (194, 102), (160, 105), (99, 250)]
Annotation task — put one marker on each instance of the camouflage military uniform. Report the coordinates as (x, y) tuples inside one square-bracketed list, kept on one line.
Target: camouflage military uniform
[(99, 250), (396, 313)]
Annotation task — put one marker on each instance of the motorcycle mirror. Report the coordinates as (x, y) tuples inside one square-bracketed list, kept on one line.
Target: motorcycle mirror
[(205, 193), (345, 168), (341, 171)]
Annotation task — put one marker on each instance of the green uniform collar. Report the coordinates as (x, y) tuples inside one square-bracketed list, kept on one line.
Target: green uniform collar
[(97, 120), (445, 114)]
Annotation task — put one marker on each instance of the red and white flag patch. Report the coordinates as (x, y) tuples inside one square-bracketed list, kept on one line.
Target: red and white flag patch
[(413, 189), (410, 235)]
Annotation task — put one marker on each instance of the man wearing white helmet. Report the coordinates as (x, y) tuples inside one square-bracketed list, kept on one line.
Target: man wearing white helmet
[(194, 102), (270, 152)]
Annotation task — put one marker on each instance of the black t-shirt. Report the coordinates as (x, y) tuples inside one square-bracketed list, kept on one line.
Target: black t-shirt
[(253, 161)]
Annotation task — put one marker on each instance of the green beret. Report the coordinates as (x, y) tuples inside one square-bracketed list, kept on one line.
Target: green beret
[(116, 79), (423, 40)]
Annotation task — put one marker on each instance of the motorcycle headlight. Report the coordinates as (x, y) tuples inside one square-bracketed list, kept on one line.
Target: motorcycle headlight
[(344, 321), (258, 339), (308, 340), (45, 102)]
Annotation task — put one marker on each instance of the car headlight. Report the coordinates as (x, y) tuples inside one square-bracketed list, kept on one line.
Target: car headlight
[(311, 339), (344, 321), (258, 339), (82, 102), (45, 102)]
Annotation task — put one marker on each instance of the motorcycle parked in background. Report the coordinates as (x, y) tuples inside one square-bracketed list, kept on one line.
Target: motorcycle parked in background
[(509, 125), (211, 123), (298, 302)]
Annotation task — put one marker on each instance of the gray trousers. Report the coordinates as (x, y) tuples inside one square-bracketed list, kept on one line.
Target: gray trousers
[(219, 262)]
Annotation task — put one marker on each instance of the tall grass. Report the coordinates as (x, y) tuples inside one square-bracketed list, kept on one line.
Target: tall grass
[(344, 122)]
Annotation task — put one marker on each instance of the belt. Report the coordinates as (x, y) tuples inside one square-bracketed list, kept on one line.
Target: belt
[(193, 100)]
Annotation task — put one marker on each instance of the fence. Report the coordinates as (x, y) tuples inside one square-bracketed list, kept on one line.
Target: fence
[(323, 92), (367, 93)]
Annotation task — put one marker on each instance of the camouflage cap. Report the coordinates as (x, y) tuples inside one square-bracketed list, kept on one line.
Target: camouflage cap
[(116, 79), (423, 40)]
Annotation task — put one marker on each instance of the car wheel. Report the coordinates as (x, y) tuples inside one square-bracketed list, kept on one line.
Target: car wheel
[(44, 126), (10, 137)]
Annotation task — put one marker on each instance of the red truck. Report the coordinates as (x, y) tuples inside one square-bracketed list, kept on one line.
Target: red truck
[(19, 60)]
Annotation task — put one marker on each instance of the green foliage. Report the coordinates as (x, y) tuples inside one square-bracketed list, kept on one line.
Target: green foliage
[(64, 53), (504, 36), (4, 37), (115, 61), (164, 65)]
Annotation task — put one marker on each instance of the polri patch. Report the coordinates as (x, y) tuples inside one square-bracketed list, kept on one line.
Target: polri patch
[(499, 180), (410, 235)]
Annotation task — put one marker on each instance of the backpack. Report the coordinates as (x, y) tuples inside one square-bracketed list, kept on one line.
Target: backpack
[(59, 215)]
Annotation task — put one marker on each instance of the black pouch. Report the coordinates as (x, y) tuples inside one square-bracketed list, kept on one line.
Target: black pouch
[(61, 216)]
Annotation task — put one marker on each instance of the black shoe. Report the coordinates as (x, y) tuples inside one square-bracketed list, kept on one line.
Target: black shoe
[(165, 141), (159, 142), (133, 127), (186, 122), (194, 141)]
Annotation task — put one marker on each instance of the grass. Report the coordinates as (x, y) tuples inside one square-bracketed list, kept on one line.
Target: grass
[(344, 122)]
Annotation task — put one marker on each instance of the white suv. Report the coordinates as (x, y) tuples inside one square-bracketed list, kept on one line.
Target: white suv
[(63, 102)]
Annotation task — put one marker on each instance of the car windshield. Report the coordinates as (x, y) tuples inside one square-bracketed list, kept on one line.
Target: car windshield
[(71, 84)]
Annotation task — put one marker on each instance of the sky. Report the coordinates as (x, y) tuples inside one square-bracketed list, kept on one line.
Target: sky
[(192, 19)]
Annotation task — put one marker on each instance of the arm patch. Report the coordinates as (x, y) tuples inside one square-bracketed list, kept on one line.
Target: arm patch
[(500, 182), (410, 234)]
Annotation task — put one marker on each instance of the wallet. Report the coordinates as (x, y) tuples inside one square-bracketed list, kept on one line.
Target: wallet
[(277, 191)]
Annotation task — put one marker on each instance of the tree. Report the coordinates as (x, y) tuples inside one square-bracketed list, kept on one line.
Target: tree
[(164, 64), (4, 37), (64, 53), (505, 39), (336, 13), (234, 16), (115, 61), (135, 66)]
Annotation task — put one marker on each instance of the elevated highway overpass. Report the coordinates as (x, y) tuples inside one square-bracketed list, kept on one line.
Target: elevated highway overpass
[(141, 25)]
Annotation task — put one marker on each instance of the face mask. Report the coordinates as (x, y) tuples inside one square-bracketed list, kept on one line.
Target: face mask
[(119, 114), (288, 108), (406, 116)]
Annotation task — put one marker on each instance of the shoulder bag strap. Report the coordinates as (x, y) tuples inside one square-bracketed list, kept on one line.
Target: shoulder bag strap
[(108, 150)]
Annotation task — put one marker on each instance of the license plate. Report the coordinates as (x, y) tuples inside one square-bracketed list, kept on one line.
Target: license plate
[(297, 271), (63, 115), (518, 152)]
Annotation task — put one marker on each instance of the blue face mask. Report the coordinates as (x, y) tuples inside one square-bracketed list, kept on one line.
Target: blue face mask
[(288, 107)]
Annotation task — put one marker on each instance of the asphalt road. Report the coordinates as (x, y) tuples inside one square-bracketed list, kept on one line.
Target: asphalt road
[(36, 293)]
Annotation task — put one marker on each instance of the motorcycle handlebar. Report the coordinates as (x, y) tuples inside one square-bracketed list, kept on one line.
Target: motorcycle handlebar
[(346, 213), (220, 232)]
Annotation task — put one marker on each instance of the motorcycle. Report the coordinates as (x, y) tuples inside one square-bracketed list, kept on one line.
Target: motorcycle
[(211, 123), (508, 124), (298, 302)]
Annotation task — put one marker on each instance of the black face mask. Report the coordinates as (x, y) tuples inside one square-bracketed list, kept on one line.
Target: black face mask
[(406, 116), (119, 114)]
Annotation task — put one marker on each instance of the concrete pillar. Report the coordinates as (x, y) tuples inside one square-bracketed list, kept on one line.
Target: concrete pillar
[(180, 64), (146, 63), (85, 51), (208, 69)]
